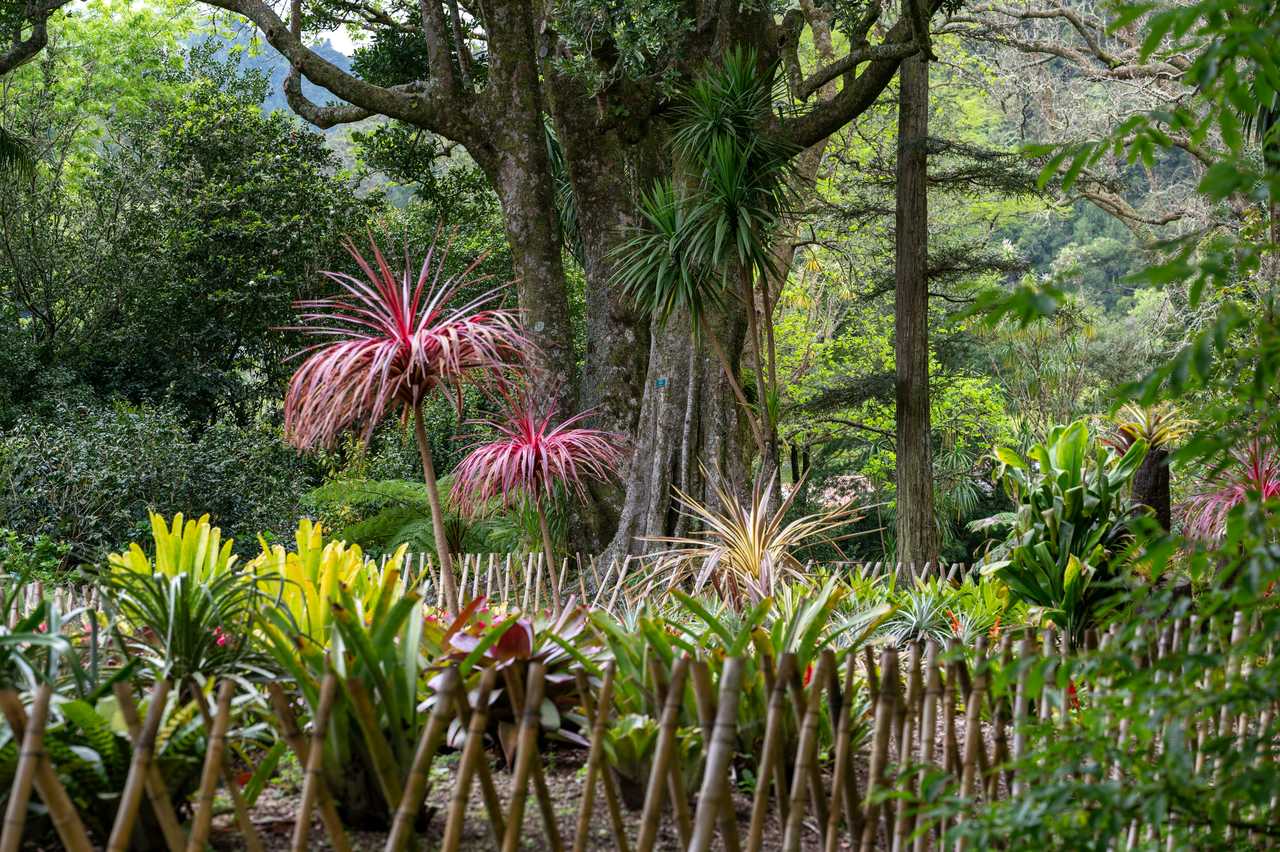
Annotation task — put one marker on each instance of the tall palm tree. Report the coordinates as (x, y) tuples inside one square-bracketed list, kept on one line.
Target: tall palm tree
[(390, 341)]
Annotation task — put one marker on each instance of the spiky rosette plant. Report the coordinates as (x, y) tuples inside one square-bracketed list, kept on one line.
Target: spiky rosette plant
[(1256, 471), (390, 340), (535, 458)]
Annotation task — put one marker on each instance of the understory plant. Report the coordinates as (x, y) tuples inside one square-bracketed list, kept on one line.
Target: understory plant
[(390, 340), (1065, 545), (743, 551)]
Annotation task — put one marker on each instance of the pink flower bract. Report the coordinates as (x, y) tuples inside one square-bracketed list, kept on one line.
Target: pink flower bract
[(531, 456), (1256, 471), (390, 340)]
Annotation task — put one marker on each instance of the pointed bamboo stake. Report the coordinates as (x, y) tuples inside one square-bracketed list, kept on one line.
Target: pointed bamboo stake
[(675, 779), (143, 746), (769, 758), (910, 716), (704, 695), (713, 798), (506, 582), (157, 793), (472, 754), (973, 748), (598, 715), (1020, 705), (928, 724), (844, 782), (298, 745), (526, 755), (617, 589), (659, 772), (15, 815), (313, 779), (806, 754), (213, 763), (880, 746), (415, 787)]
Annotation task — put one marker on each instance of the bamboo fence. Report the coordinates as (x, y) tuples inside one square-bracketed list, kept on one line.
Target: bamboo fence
[(931, 710)]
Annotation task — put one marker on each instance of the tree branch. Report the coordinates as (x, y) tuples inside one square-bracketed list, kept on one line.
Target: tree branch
[(21, 50)]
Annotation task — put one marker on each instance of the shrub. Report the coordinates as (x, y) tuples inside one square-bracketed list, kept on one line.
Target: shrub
[(88, 475)]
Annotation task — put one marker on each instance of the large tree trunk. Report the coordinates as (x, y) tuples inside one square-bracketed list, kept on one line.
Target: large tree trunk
[(1151, 485), (917, 532)]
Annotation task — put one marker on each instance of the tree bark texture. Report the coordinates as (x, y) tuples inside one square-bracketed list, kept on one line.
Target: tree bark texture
[(1151, 485), (917, 533)]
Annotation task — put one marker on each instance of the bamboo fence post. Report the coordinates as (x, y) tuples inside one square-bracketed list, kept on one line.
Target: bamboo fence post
[(775, 676), (950, 748), (143, 746), (525, 755), (15, 815), (910, 719), (1042, 700), (252, 841), (62, 812), (157, 793), (817, 791), (659, 772), (999, 717), (1020, 706), (617, 588), (384, 762), (472, 754), (880, 746), (704, 695), (806, 754), (973, 747), (844, 782), (543, 794), (415, 786), (714, 795), (203, 818), (773, 736), (313, 779), (928, 723), (506, 582), (598, 715), (298, 744)]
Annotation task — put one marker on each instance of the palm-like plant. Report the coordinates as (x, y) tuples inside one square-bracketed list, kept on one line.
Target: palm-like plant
[(715, 237), (390, 340), (1256, 472), (745, 551), (1161, 427), (535, 458)]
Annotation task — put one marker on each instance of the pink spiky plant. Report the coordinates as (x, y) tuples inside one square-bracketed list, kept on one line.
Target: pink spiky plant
[(1256, 471), (390, 340), (534, 457)]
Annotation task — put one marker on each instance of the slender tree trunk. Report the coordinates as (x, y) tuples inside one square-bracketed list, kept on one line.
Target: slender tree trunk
[(917, 533), (437, 512), (549, 554)]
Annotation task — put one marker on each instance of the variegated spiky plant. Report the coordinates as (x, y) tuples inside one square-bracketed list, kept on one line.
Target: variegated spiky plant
[(535, 457), (389, 340), (1256, 472), (742, 549)]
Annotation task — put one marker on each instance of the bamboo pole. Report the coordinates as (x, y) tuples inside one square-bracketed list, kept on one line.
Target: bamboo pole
[(880, 745), (950, 747), (1020, 706), (973, 749), (213, 760), (62, 812), (901, 839), (806, 754), (659, 772), (704, 695), (526, 755), (415, 787), (598, 715), (771, 752), (15, 815), (472, 754), (157, 793), (298, 744), (313, 779), (844, 782), (713, 798), (143, 747), (928, 723), (817, 791), (999, 718)]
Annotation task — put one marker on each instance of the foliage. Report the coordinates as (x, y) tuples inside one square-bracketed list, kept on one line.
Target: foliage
[(1064, 550), (86, 475), (32, 557), (534, 457), (194, 547), (744, 550), (1253, 474), (394, 341)]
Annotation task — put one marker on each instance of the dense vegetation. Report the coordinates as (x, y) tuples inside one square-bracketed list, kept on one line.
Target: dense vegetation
[(750, 299)]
